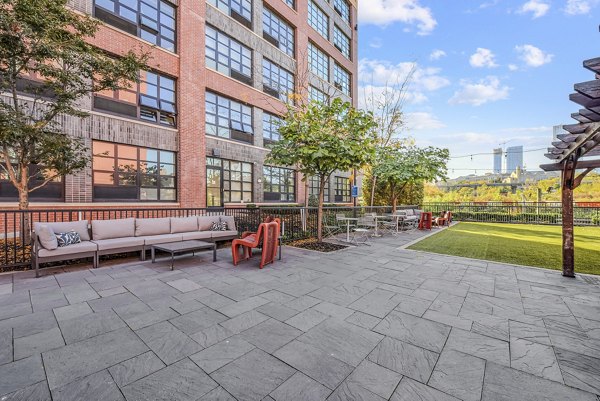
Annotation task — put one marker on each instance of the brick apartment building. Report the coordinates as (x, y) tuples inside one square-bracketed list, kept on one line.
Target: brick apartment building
[(196, 129)]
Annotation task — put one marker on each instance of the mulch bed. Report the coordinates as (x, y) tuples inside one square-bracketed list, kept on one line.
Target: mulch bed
[(313, 245)]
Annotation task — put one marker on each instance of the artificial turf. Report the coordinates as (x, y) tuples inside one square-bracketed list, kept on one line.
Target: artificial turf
[(523, 244)]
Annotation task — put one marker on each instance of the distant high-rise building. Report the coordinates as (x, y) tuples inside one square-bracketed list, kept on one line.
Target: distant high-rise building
[(498, 161), (514, 158), (558, 130)]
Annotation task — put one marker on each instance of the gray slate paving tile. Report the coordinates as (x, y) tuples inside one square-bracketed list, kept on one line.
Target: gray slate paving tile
[(38, 343), (580, 371), (218, 355), (270, 335), (447, 319), (8, 311), (31, 323), (411, 390), (417, 331), (98, 386), (244, 321), (300, 387), (167, 342), (302, 303), (149, 318), (90, 325), (135, 368), (253, 376), (72, 311), (352, 391), (74, 361), (534, 358), (211, 335), (459, 374), (182, 381), (244, 306), (79, 293), (487, 325), (184, 285), (307, 320), (363, 320), (404, 358), (112, 301), (20, 374), (195, 321), (530, 332), (6, 345), (35, 392), (277, 311), (524, 386), (188, 306), (475, 344), (315, 363), (47, 300), (375, 378), (218, 394), (377, 303)]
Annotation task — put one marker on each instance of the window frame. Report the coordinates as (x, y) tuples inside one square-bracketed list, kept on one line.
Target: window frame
[(240, 13), (343, 9), (314, 187), (317, 60), (343, 193), (320, 95), (245, 71), (244, 111), (283, 32), (342, 42), (272, 72), (226, 178), (271, 172), (272, 131), (342, 79), (318, 19)]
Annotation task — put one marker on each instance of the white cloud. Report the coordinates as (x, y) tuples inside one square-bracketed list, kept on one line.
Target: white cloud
[(578, 7), (483, 58), (513, 67), (385, 12), (423, 121), (437, 54), (537, 7), (532, 56), (477, 93), (381, 73)]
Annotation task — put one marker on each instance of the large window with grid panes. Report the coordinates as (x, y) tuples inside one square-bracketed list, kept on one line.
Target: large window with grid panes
[(132, 173), (152, 99), (277, 81), (318, 62), (317, 95), (227, 118), (240, 10), (314, 185), (341, 41), (341, 79), (343, 189), (228, 56), (228, 181), (151, 20), (278, 32), (318, 20), (342, 7), (279, 184), (271, 124)]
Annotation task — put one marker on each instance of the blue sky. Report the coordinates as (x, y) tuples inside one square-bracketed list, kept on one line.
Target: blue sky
[(487, 71)]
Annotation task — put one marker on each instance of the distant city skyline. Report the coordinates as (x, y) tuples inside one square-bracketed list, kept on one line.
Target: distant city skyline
[(498, 153), (514, 159)]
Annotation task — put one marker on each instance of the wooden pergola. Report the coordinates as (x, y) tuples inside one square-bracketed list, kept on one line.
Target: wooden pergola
[(577, 150)]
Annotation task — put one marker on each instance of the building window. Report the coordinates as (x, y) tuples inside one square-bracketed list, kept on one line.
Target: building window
[(314, 186), (151, 20), (279, 184), (315, 95), (227, 118), (290, 3), (341, 79), (318, 19), (342, 7), (53, 191), (277, 81), (341, 41), (271, 125), (152, 99), (131, 173), (278, 32), (240, 10), (228, 180), (228, 56), (342, 189), (318, 62)]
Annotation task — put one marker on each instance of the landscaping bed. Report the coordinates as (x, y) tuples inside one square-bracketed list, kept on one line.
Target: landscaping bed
[(313, 245)]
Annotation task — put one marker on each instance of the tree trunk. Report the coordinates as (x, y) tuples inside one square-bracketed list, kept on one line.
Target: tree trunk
[(24, 208), (394, 204), (373, 183), (320, 209)]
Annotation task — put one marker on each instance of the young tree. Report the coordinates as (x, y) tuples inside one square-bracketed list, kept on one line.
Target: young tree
[(320, 138), (44, 51), (401, 165)]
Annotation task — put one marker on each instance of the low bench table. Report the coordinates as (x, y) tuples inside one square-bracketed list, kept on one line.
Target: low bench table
[(184, 247)]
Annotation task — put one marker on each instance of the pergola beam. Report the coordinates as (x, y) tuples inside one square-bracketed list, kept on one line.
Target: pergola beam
[(582, 164)]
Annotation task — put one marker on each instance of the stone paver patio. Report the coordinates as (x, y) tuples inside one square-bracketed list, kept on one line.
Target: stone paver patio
[(368, 323)]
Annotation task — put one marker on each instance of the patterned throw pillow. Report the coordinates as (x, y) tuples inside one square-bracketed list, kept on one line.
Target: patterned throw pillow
[(216, 226), (70, 238)]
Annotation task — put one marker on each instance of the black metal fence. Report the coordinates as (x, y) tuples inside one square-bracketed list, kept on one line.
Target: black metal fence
[(297, 222), (526, 212)]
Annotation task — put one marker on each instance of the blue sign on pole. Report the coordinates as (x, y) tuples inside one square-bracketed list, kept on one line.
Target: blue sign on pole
[(355, 191)]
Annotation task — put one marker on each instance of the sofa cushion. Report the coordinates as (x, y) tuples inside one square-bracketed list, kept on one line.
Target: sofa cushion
[(85, 246), (162, 239), (109, 229), (146, 227), (46, 237), (230, 222), (224, 234), (118, 243), (184, 224), (205, 222), (198, 235), (69, 238), (80, 226)]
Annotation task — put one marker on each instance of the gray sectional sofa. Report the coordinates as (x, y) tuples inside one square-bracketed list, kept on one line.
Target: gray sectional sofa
[(123, 235)]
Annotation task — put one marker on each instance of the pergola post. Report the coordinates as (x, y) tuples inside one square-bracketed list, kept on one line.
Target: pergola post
[(568, 242)]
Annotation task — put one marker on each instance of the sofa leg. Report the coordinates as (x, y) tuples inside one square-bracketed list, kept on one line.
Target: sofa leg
[(37, 267), (143, 254)]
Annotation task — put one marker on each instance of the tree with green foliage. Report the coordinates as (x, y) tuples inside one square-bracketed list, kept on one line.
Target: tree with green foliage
[(402, 165), (319, 138), (45, 54)]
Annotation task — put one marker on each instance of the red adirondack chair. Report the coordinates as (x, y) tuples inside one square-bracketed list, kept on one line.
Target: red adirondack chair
[(266, 237)]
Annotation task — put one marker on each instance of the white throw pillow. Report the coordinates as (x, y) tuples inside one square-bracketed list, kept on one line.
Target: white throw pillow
[(47, 237)]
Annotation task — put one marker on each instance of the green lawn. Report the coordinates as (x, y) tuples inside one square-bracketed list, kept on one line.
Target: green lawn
[(523, 244)]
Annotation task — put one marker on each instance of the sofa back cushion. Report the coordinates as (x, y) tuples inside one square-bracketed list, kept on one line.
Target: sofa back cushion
[(81, 227), (146, 227), (205, 222), (230, 221), (46, 236), (184, 224), (109, 229)]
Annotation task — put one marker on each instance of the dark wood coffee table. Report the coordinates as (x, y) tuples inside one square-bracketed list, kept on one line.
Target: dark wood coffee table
[(184, 247)]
